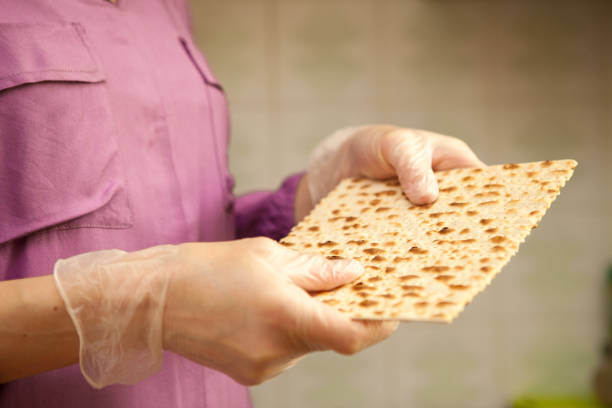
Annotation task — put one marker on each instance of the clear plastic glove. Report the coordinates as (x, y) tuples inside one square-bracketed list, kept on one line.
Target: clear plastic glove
[(248, 316), (116, 301), (382, 151)]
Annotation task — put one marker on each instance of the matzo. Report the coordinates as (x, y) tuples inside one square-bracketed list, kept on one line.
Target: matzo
[(425, 263)]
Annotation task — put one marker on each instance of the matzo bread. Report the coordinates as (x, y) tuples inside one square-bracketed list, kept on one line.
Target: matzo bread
[(425, 263)]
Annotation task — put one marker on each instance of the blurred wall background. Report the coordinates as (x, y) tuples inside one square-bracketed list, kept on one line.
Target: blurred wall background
[(518, 81)]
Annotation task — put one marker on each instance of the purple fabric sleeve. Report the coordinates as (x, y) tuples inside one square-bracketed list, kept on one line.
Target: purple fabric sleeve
[(267, 213)]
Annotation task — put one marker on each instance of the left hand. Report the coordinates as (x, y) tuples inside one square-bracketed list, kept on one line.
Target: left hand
[(380, 152)]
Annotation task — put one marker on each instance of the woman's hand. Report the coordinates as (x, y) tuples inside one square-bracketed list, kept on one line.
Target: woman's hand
[(245, 310), (240, 307), (380, 152)]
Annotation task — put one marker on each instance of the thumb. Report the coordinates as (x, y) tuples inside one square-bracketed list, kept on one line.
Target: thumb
[(325, 328), (315, 272), (410, 153)]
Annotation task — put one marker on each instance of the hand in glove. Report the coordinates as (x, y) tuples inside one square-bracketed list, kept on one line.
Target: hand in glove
[(381, 152), (240, 307)]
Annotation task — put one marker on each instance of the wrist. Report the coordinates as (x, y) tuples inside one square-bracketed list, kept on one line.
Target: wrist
[(116, 301), (191, 313), (177, 318), (302, 202), (329, 163)]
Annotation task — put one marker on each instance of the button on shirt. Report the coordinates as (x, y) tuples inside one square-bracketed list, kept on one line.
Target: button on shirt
[(114, 134)]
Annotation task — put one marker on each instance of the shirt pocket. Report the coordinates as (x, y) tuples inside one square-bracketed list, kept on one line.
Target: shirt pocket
[(59, 160), (219, 115)]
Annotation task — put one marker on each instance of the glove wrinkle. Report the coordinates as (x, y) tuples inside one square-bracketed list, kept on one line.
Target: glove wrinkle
[(116, 302)]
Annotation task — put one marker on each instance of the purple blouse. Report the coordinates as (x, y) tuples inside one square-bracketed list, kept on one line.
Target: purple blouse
[(114, 134)]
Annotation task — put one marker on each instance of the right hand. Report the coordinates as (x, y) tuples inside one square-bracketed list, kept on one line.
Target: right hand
[(241, 307)]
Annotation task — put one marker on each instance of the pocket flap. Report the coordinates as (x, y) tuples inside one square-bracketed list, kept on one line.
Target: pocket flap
[(45, 52), (200, 63), (59, 161)]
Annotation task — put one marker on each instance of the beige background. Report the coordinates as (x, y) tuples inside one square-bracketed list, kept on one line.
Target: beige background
[(519, 81)]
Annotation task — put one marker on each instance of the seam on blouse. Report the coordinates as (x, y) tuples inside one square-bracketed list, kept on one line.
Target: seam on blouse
[(74, 226), (48, 70), (76, 27), (213, 123)]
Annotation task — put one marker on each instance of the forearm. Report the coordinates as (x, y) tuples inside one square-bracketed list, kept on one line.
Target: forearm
[(36, 332)]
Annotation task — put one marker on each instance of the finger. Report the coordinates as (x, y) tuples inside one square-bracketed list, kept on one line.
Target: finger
[(371, 332), (452, 153), (315, 272), (410, 153), (309, 272), (325, 328)]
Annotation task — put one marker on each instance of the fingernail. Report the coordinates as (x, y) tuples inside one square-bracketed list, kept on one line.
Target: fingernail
[(350, 268), (424, 190), (431, 187)]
